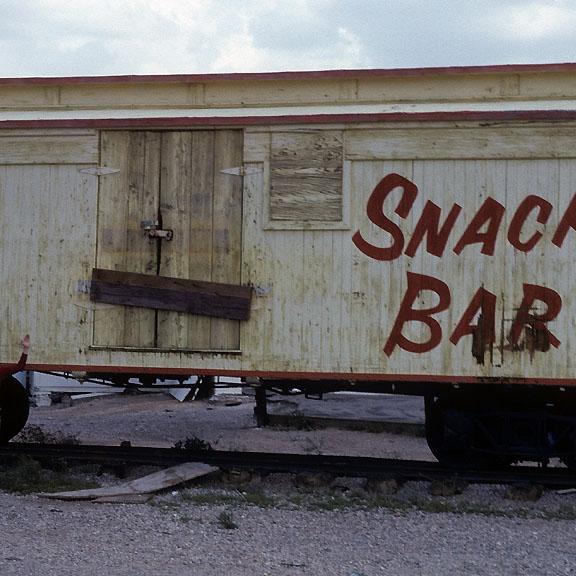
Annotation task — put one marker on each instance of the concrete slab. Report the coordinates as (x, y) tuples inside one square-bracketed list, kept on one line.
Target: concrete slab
[(350, 408)]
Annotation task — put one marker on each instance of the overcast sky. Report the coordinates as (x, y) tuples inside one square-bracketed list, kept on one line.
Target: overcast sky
[(99, 37)]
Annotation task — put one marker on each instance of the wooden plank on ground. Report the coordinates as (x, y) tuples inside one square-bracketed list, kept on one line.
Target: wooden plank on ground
[(178, 294), (145, 485)]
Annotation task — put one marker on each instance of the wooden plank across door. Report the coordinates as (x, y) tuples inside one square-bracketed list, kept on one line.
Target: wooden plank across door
[(164, 293)]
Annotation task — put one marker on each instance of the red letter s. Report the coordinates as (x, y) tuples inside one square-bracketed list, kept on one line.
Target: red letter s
[(376, 216)]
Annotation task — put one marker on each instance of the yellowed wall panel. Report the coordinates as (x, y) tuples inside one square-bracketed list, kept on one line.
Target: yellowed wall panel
[(422, 88), (47, 254), (461, 143), (48, 149), (132, 96), (320, 303)]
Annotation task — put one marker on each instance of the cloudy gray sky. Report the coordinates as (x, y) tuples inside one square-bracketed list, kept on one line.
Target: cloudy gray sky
[(96, 37)]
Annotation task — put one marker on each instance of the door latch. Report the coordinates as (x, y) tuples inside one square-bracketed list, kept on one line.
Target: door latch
[(151, 230)]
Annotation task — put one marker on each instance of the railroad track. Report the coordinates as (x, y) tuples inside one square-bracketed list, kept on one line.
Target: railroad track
[(292, 463)]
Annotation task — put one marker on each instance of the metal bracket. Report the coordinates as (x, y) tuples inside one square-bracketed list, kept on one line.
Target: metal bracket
[(99, 170), (83, 286), (242, 170), (151, 230)]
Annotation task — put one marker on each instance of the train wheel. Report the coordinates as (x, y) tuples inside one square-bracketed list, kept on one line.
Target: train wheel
[(14, 407), (451, 436)]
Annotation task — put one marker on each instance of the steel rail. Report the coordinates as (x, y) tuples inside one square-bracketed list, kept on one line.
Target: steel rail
[(292, 463)]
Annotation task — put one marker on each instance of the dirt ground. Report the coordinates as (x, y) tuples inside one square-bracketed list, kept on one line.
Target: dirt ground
[(226, 422)]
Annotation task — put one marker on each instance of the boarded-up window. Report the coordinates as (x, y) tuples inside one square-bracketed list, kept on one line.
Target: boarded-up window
[(306, 177)]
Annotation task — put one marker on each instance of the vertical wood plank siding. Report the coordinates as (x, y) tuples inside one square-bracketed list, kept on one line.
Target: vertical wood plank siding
[(125, 200), (320, 305), (47, 249), (226, 230), (172, 179)]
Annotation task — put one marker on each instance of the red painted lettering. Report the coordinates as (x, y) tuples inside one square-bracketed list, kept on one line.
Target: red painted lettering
[(490, 213), (416, 284), (429, 226), (485, 303), (537, 322), (376, 215), (527, 205), (568, 222)]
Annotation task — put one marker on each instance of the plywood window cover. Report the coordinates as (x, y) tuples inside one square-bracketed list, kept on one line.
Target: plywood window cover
[(318, 163)]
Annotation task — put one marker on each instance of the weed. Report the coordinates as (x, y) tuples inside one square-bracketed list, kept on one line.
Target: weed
[(360, 500), (259, 499), (167, 505), (297, 500), (35, 434), (331, 503), (226, 521), (215, 499), (27, 476), (193, 444), (212, 499)]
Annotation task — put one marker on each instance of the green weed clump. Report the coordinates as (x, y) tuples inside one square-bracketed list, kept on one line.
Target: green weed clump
[(226, 521), (35, 435), (193, 444), (26, 476)]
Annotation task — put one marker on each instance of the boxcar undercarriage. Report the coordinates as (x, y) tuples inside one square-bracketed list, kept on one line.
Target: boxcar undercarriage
[(382, 231), (467, 425), (483, 425)]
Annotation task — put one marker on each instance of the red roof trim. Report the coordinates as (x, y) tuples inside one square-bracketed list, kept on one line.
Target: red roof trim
[(103, 123), (304, 75), (301, 375)]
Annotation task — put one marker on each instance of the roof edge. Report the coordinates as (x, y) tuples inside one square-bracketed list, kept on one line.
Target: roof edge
[(295, 75)]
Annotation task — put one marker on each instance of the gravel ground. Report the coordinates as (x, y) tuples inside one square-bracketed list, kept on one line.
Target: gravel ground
[(279, 525)]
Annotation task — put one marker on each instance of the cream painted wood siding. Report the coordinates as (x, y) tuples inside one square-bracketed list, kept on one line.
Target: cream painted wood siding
[(47, 247), (321, 305), (325, 306)]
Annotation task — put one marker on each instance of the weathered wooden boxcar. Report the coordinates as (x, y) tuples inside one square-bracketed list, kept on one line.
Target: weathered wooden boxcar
[(392, 230)]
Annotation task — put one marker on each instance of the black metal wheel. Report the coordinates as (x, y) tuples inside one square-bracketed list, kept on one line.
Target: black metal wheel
[(14, 408), (452, 437)]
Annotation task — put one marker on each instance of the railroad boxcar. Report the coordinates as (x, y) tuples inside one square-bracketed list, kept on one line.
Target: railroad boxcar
[(408, 231)]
